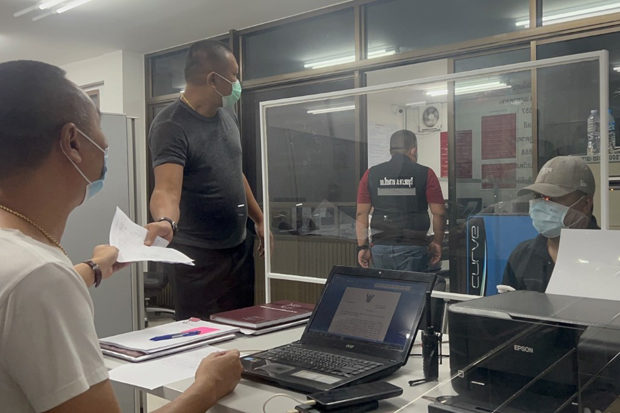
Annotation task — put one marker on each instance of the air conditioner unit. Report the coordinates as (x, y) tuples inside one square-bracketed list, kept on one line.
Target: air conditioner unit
[(432, 117)]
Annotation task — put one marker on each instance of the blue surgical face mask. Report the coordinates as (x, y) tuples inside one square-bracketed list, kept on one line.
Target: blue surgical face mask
[(549, 217), (95, 186), (235, 95)]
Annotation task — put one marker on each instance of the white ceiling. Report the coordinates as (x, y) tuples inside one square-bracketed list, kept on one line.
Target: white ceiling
[(140, 26)]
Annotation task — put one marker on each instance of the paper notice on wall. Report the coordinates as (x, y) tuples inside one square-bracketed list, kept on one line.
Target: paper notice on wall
[(500, 175), (379, 135), (364, 313), (499, 136), (444, 154)]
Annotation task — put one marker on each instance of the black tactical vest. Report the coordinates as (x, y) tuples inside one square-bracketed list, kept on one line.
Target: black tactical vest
[(398, 192)]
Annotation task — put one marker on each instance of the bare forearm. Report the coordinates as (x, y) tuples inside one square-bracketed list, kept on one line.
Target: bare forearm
[(361, 228), (86, 273), (164, 205), (196, 399), (439, 227), (254, 211)]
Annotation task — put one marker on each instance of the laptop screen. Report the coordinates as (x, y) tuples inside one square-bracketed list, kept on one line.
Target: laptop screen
[(373, 310)]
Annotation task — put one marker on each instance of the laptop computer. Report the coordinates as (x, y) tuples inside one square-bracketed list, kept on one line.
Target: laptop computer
[(361, 330)]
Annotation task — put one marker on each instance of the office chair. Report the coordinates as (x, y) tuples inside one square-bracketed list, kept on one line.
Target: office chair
[(154, 282)]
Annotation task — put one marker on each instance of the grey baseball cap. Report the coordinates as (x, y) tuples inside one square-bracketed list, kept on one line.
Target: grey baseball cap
[(562, 175)]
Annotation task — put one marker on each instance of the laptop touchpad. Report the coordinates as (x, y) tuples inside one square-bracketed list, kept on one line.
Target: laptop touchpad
[(274, 368)]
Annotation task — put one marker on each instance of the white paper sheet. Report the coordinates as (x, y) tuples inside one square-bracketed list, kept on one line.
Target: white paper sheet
[(129, 238), (588, 265), (150, 375)]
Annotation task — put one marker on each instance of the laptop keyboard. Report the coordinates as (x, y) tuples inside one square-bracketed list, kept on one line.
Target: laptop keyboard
[(319, 361)]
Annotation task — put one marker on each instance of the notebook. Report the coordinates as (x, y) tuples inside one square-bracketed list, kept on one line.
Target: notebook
[(252, 332), (266, 315), (184, 333)]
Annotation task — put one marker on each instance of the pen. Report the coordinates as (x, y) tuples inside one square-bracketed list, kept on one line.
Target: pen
[(170, 336)]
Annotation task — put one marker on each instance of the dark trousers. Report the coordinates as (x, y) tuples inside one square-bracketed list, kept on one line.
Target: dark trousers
[(220, 280), (400, 257)]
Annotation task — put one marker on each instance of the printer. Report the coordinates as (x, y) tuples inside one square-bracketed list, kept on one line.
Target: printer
[(527, 351)]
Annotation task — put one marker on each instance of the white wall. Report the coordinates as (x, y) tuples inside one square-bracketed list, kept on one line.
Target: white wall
[(119, 77), (106, 73)]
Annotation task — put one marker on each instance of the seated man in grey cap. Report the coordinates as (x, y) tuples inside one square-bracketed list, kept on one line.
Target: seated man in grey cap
[(563, 198)]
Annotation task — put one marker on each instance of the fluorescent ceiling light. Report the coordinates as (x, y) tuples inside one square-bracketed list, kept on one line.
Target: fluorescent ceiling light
[(380, 53), (50, 7), (438, 92), (472, 88), (331, 62), (421, 103), (25, 11), (347, 59), (574, 15), (71, 5), (329, 110), (617, 68), (51, 3)]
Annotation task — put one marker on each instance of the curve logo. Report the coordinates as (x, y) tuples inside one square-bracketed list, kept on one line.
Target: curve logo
[(476, 244)]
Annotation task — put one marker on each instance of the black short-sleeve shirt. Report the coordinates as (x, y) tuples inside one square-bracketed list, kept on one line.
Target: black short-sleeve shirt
[(530, 266), (213, 200)]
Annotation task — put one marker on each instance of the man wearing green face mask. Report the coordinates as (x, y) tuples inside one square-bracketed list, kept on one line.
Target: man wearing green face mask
[(563, 198), (201, 196)]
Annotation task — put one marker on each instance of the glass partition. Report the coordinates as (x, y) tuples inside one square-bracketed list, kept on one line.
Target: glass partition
[(474, 151)]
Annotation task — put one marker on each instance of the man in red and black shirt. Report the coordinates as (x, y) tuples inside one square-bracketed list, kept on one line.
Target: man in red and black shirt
[(400, 192)]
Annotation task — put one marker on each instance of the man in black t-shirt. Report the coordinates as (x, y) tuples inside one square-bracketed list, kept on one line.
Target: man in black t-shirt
[(199, 182), (563, 198)]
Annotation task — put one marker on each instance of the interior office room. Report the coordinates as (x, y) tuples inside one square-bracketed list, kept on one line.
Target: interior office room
[(414, 166)]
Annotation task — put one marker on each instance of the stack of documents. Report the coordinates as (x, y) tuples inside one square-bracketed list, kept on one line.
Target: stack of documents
[(164, 340)]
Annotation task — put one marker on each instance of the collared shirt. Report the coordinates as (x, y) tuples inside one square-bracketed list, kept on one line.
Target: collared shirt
[(530, 266)]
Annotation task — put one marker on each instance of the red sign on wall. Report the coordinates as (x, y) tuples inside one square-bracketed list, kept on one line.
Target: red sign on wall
[(464, 152), (464, 168), (499, 136)]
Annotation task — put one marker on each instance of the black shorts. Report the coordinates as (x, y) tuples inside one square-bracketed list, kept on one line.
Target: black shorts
[(221, 280)]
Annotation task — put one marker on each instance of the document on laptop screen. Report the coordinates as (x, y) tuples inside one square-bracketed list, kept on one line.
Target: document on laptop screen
[(365, 313)]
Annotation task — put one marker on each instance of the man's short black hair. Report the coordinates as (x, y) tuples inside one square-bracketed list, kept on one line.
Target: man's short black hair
[(204, 57), (403, 140), (36, 101)]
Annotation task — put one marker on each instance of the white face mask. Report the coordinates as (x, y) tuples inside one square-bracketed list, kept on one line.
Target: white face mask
[(95, 186), (550, 217)]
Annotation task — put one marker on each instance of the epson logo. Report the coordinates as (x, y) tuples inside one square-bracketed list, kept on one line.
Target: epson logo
[(350, 346), (524, 349)]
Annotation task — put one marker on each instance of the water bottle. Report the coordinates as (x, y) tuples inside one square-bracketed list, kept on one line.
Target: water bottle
[(612, 133), (594, 135)]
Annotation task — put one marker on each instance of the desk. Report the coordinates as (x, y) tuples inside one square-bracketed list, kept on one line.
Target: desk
[(250, 396)]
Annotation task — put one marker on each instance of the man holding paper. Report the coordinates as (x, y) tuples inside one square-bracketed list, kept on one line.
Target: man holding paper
[(563, 198), (52, 159), (200, 188)]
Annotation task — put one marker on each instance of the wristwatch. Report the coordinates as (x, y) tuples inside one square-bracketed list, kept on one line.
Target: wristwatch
[(362, 247), (173, 224), (96, 271)]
